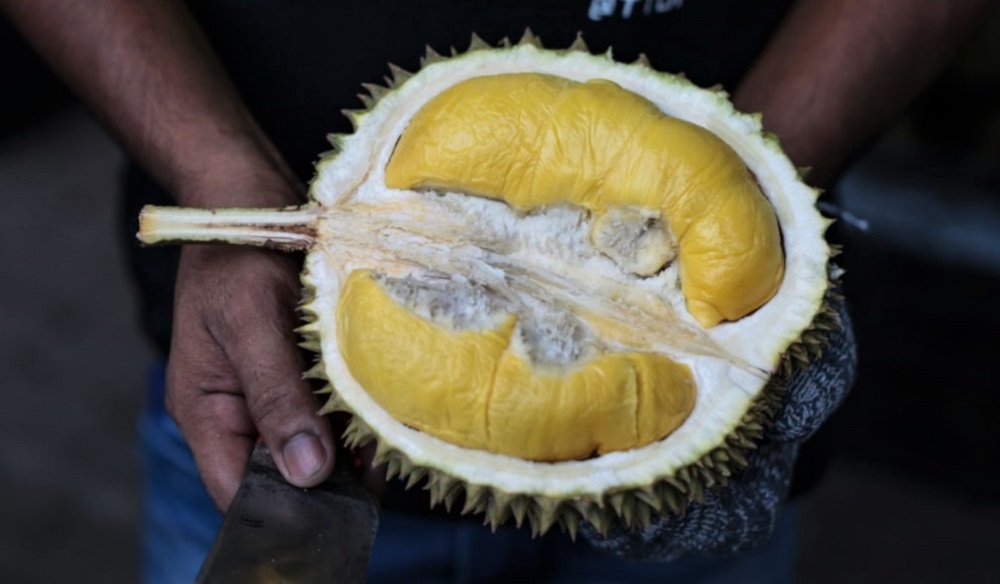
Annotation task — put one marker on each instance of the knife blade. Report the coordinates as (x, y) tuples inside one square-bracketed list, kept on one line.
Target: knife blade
[(276, 532)]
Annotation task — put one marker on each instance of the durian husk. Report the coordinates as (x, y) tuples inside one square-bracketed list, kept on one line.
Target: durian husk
[(542, 500)]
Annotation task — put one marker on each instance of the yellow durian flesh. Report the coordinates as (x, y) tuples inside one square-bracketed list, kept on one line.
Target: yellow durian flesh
[(473, 389), (534, 140)]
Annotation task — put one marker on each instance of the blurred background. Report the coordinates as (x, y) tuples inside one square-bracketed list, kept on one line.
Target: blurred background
[(912, 495)]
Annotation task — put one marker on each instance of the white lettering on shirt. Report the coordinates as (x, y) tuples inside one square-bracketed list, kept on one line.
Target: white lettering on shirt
[(600, 9)]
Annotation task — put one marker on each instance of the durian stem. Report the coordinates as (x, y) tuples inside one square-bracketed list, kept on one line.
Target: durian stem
[(285, 229)]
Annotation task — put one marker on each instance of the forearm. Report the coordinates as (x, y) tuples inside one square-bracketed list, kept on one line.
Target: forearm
[(150, 76), (839, 71)]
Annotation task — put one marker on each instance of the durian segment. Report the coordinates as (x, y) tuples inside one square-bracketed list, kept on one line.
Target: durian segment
[(479, 388), (534, 140)]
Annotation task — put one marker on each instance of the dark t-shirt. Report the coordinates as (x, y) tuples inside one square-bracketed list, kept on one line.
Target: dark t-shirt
[(298, 63)]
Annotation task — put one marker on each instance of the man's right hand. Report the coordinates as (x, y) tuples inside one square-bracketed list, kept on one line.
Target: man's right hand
[(235, 371)]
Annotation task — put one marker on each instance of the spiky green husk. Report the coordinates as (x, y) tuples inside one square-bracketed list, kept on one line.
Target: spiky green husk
[(632, 506)]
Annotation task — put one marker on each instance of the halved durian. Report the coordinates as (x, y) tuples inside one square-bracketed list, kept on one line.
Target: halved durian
[(557, 287)]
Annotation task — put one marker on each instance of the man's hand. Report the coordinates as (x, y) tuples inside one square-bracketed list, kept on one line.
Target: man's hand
[(235, 370)]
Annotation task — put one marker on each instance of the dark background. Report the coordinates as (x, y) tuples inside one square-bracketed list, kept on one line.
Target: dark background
[(912, 495)]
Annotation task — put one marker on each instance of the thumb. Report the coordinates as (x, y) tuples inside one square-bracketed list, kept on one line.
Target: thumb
[(260, 343)]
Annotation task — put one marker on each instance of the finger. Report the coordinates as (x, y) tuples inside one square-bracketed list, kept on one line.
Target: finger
[(259, 340), (204, 399)]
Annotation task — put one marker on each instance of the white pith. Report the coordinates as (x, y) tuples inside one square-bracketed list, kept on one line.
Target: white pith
[(400, 233)]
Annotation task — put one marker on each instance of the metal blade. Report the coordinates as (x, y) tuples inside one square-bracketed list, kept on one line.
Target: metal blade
[(276, 532)]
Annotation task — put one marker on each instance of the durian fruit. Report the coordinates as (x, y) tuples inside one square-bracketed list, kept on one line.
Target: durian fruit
[(554, 287)]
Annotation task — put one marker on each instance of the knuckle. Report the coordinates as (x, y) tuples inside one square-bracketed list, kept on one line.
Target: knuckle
[(273, 405)]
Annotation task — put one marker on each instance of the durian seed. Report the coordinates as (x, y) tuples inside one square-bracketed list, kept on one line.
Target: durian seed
[(638, 240)]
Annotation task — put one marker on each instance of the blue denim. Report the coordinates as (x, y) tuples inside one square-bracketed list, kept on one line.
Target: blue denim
[(180, 523)]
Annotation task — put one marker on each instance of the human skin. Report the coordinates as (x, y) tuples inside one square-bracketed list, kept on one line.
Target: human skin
[(836, 72)]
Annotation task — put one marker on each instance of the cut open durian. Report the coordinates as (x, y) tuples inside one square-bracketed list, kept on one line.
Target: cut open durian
[(556, 287)]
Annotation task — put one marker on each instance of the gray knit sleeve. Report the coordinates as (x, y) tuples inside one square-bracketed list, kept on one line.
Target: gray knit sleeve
[(742, 515)]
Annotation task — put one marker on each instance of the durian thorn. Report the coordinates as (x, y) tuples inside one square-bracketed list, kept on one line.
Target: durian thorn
[(367, 100), (643, 515), (383, 454), (450, 497), (336, 141), (285, 229), (697, 492), (376, 91), (643, 60), (543, 519), (579, 44), (393, 468), (570, 522), (617, 501), (476, 43), (504, 43), (441, 487), (415, 477), (354, 116), (497, 509), (430, 57), (309, 327), (648, 497), (399, 75), (627, 512), (600, 519), (334, 404), (311, 345), (672, 498), (317, 371), (529, 38), (473, 498), (357, 433), (519, 509)]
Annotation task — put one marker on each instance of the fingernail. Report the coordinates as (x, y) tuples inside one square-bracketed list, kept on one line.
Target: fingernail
[(304, 456)]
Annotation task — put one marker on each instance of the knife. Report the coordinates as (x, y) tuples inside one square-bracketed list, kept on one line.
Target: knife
[(276, 532)]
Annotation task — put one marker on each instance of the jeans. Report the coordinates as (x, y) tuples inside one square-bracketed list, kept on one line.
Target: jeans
[(180, 523)]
